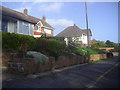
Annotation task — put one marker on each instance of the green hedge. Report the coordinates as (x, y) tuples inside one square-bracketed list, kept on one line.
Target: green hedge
[(50, 47), (17, 42), (23, 43)]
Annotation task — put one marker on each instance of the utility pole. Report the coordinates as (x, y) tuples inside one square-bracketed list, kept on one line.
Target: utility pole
[(88, 52)]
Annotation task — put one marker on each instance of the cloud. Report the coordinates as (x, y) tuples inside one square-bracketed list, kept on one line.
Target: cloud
[(44, 7), (60, 22), (53, 7), (25, 5)]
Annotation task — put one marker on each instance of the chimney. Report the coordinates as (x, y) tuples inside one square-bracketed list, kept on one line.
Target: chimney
[(44, 18), (25, 11), (74, 24)]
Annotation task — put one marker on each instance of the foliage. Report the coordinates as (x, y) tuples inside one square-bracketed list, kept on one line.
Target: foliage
[(38, 57), (108, 43), (100, 60), (56, 38), (17, 42), (50, 47), (98, 44), (84, 51), (112, 44)]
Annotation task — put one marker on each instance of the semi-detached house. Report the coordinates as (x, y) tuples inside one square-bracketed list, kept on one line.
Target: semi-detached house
[(22, 23)]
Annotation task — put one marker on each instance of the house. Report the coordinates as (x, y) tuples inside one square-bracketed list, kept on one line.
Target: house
[(92, 41), (75, 34), (22, 23)]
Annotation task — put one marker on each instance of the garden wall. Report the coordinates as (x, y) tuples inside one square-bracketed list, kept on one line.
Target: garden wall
[(97, 57), (115, 53), (28, 65)]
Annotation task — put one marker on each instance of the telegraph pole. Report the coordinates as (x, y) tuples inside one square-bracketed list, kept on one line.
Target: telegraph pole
[(88, 52)]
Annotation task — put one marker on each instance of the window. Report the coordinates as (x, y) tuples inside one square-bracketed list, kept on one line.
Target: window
[(4, 25), (25, 28)]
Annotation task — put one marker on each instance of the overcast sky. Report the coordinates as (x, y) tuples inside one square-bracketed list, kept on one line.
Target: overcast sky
[(102, 16)]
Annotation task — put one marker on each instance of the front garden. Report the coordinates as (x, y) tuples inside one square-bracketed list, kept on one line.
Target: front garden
[(25, 53)]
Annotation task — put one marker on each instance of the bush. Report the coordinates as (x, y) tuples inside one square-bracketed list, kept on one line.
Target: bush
[(23, 43), (38, 57), (50, 47), (17, 42)]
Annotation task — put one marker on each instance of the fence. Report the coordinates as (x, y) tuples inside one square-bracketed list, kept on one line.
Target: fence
[(28, 65)]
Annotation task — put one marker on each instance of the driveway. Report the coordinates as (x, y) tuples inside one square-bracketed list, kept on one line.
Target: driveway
[(95, 75)]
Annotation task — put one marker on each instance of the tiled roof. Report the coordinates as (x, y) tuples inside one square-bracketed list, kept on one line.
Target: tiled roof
[(21, 16), (73, 31), (85, 31)]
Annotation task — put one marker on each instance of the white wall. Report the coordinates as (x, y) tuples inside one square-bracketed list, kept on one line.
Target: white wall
[(12, 26), (84, 39), (47, 30), (37, 35)]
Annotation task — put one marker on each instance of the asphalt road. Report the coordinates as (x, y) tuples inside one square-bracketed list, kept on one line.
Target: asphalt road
[(96, 75)]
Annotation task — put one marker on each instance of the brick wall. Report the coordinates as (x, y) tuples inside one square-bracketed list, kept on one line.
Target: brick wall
[(97, 57), (115, 53), (63, 61), (29, 66)]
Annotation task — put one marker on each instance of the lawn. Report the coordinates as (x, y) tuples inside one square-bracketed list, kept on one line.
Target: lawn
[(92, 51), (101, 60)]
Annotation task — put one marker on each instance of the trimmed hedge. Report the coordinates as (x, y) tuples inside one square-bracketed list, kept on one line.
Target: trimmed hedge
[(24, 43), (17, 42), (50, 47)]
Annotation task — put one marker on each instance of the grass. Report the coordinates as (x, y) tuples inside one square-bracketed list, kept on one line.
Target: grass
[(92, 51), (100, 60)]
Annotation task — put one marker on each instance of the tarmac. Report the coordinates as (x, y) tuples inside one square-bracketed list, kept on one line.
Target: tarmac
[(103, 74)]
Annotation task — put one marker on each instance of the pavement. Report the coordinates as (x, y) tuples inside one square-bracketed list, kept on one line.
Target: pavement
[(95, 75)]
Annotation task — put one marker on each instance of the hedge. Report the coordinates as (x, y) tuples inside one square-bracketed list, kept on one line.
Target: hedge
[(24, 43), (17, 42)]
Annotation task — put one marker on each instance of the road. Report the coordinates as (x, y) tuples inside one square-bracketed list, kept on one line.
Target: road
[(96, 75)]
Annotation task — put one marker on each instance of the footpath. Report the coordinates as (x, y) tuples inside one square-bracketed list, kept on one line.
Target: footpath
[(95, 75)]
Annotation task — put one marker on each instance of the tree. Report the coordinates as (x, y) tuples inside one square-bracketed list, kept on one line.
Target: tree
[(111, 44), (98, 44)]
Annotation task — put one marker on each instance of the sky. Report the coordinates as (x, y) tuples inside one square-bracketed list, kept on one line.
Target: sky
[(102, 16)]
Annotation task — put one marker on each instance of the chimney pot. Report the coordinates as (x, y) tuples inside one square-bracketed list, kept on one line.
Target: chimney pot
[(44, 18), (25, 11), (74, 24)]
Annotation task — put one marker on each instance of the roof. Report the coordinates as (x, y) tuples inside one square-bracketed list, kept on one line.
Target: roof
[(85, 31), (21, 16), (73, 31), (92, 41)]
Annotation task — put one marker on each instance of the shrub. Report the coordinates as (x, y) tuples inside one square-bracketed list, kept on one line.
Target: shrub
[(50, 47), (17, 42), (38, 57)]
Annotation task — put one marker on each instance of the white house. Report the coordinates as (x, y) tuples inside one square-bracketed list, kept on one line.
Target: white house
[(75, 34), (22, 23)]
